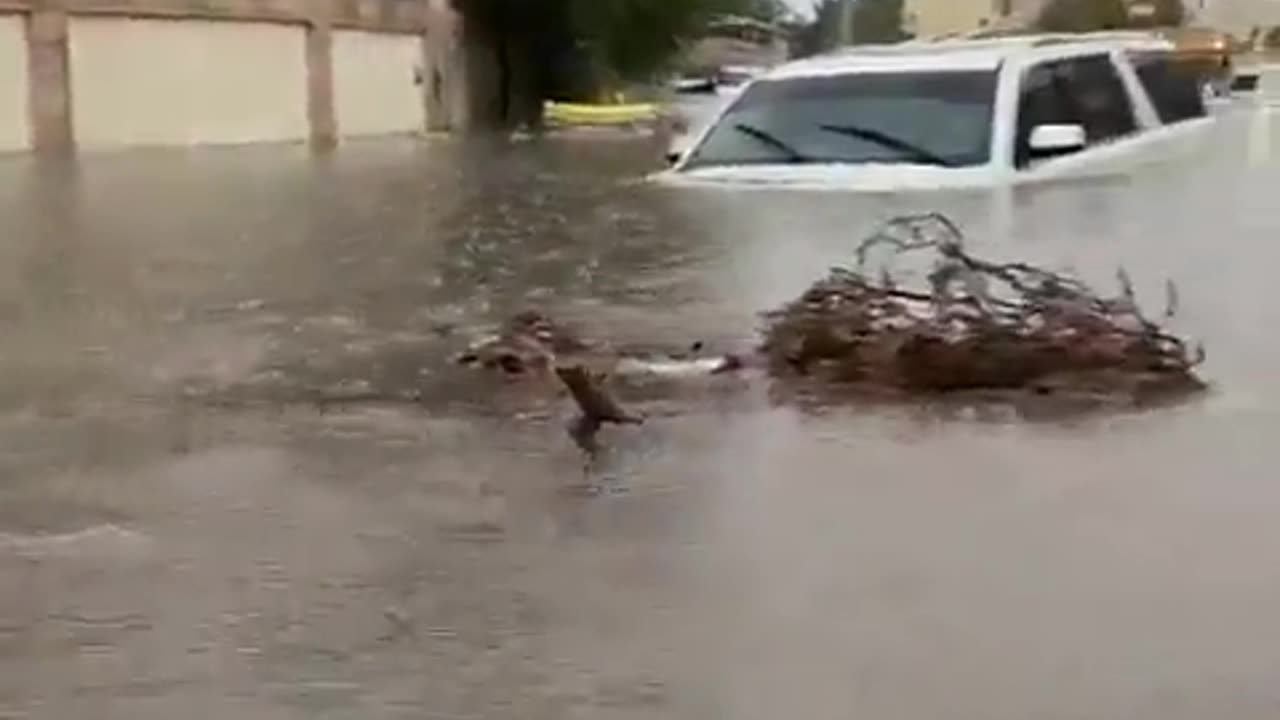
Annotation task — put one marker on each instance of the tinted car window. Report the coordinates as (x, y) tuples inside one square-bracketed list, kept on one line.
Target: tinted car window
[(1104, 101), (936, 117), (1174, 88), (1085, 91)]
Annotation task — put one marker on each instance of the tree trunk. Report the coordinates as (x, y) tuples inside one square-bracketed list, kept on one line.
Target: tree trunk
[(504, 79)]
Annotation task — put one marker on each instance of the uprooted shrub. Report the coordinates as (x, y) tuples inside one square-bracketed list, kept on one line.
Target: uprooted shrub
[(971, 324)]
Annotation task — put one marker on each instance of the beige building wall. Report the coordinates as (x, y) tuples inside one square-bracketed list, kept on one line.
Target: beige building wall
[(1238, 16), (931, 18), (445, 83), (166, 82), (373, 83), (14, 125)]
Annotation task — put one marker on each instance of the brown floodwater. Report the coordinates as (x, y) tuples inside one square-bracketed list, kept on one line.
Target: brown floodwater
[(184, 530)]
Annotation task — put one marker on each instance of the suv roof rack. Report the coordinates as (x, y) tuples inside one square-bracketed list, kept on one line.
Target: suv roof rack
[(992, 42), (1100, 36)]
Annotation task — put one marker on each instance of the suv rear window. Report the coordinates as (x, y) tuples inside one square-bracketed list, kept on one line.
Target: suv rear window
[(1174, 87)]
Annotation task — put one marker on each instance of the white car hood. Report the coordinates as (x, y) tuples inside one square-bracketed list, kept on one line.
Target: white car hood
[(867, 177)]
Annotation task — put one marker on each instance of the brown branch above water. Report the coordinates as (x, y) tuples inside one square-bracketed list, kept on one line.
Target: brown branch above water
[(597, 407), (971, 324), (967, 329), (593, 399)]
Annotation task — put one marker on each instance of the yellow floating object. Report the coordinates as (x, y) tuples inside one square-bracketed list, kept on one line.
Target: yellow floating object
[(591, 114)]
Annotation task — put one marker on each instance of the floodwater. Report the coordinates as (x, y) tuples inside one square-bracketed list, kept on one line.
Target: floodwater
[(185, 530)]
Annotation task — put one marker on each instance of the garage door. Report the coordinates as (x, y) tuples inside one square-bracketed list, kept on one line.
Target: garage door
[(13, 84), (373, 83), (158, 82)]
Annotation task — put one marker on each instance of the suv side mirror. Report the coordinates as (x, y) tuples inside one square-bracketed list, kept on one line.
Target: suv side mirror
[(1054, 139)]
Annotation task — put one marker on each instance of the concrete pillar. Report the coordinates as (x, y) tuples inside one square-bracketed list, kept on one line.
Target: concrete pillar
[(49, 80), (434, 84), (443, 80), (320, 111), (845, 32)]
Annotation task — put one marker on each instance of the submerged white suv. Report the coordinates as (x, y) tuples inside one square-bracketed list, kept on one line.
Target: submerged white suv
[(950, 113)]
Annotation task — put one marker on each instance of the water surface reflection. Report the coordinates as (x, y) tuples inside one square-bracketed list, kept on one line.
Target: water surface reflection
[(259, 559)]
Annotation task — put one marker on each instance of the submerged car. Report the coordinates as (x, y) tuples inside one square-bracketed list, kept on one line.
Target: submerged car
[(957, 113), (731, 76)]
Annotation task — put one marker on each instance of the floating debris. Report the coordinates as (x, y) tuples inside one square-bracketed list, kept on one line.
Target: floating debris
[(971, 324), (959, 327), (526, 344), (598, 406)]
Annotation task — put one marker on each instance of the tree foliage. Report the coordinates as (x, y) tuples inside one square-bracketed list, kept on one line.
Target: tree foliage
[(1156, 13), (1090, 15), (635, 38), (820, 34), (1271, 39), (631, 38), (877, 21), (872, 21), (561, 48), (766, 10), (1083, 15), (1169, 13)]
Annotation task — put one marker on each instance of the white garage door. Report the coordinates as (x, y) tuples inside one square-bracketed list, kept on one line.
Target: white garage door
[(13, 84), (160, 82), (373, 83)]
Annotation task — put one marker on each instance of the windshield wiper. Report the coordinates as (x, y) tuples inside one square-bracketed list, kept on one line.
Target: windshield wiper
[(793, 155), (889, 141)]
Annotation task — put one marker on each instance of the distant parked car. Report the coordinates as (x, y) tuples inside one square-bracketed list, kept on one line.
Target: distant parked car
[(736, 75)]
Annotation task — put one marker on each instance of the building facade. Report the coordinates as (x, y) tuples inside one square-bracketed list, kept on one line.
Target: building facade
[(1237, 16), (109, 73), (938, 18)]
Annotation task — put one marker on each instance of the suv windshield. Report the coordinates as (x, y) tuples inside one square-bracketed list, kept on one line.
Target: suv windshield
[(935, 118)]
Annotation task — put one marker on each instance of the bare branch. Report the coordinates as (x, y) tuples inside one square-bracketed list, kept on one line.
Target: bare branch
[(1171, 300), (976, 323), (593, 400)]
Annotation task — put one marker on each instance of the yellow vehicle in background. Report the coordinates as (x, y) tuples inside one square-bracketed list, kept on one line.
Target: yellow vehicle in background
[(615, 114)]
